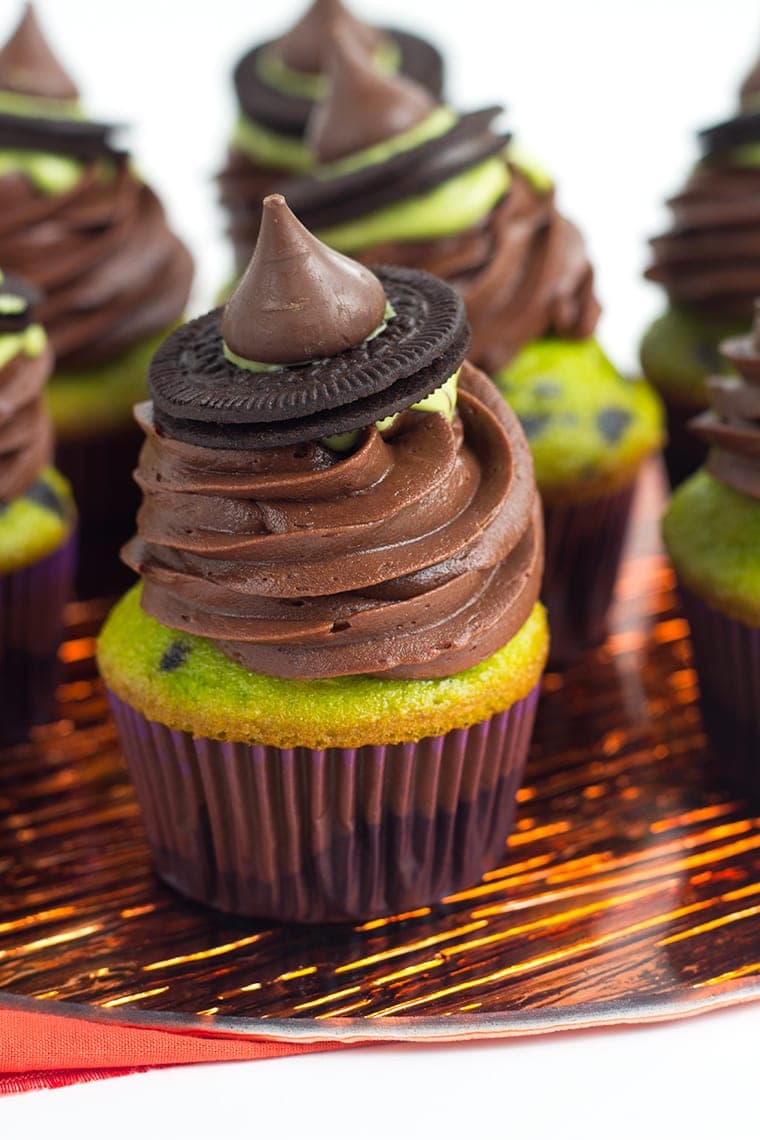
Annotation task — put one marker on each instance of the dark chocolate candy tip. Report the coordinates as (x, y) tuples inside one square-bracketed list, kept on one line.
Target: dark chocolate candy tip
[(364, 106), (299, 300), (28, 65), (307, 45)]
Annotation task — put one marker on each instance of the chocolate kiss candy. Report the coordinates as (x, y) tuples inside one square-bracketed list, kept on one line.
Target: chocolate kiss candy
[(307, 46), (299, 300), (364, 106), (28, 66)]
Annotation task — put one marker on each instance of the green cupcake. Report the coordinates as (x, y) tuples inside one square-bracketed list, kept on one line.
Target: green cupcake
[(81, 224), (705, 263), (325, 684), (37, 520), (712, 533)]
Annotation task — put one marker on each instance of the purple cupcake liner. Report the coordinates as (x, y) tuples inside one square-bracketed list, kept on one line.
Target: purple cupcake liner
[(584, 546), (684, 453), (99, 469), (31, 627), (727, 658), (332, 835)]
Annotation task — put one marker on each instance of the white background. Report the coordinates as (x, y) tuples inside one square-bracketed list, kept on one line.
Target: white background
[(608, 93)]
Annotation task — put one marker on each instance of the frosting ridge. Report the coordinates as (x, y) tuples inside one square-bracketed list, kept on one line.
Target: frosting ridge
[(731, 427)]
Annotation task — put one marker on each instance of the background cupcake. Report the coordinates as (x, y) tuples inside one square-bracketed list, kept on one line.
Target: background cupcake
[(78, 221), (37, 542), (712, 532), (404, 180), (276, 86), (709, 265), (325, 684)]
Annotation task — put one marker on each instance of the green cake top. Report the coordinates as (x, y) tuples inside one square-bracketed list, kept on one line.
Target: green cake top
[(681, 349), (187, 683), (36, 523), (712, 534), (589, 428)]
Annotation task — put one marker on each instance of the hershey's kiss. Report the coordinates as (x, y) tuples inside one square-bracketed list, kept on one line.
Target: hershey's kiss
[(364, 106), (299, 300), (28, 66), (307, 46)]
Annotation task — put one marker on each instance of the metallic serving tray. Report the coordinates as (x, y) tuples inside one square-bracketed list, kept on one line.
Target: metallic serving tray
[(630, 889)]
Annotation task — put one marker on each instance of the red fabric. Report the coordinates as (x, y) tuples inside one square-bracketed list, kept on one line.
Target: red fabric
[(43, 1050)]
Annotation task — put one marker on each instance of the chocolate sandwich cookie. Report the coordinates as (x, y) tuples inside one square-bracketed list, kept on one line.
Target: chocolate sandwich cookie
[(413, 340), (288, 114)]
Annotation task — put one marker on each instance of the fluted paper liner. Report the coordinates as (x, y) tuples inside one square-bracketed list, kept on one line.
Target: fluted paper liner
[(31, 626), (584, 546), (727, 657), (339, 834)]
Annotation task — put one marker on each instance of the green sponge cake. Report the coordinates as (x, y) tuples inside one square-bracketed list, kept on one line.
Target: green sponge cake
[(79, 222), (589, 428), (325, 683), (37, 520), (706, 264), (712, 533)]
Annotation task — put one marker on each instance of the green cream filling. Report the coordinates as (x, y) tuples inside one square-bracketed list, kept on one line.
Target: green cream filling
[(538, 177), (101, 398), (30, 531), (267, 147), (38, 107), (443, 400), (31, 341), (437, 123), (680, 350), (712, 534), (273, 70), (588, 427), (48, 173), (210, 695), (454, 206)]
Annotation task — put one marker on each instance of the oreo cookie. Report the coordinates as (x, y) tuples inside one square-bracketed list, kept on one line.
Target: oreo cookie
[(74, 138), (287, 114), (201, 397), (323, 202), (18, 300), (730, 134)]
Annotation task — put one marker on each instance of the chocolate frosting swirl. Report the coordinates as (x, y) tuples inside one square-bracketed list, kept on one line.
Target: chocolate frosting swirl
[(26, 440), (112, 271), (709, 259), (732, 427), (523, 273), (417, 556)]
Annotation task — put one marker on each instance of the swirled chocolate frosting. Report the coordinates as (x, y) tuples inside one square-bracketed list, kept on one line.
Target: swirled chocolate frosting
[(26, 440), (709, 259), (732, 427), (418, 555), (101, 250), (415, 553)]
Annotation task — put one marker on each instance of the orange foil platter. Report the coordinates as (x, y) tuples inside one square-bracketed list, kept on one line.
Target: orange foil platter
[(629, 891)]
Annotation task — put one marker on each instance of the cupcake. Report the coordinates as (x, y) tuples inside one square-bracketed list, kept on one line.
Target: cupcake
[(37, 520), (326, 681), (276, 87), (709, 266), (404, 180), (712, 533), (77, 221)]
